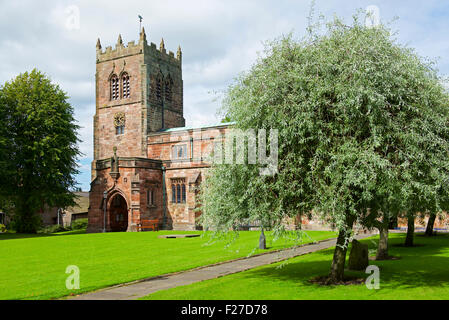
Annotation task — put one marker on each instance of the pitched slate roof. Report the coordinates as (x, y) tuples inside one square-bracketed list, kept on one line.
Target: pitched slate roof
[(193, 128), (82, 203)]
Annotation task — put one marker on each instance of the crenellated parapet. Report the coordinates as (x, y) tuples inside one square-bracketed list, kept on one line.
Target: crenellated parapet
[(141, 47)]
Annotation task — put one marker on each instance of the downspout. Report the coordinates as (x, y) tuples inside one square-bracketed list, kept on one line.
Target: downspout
[(191, 148), (162, 115), (164, 197)]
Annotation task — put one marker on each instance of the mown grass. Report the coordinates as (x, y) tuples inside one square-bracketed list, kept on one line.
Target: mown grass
[(33, 266), (420, 273)]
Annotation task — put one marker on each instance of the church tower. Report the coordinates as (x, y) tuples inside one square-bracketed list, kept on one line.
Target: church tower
[(139, 90), (147, 166)]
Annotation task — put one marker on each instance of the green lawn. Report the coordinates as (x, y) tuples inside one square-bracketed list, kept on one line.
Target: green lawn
[(422, 272), (33, 266)]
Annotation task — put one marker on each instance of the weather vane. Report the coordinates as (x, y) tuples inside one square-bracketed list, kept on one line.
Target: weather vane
[(140, 22)]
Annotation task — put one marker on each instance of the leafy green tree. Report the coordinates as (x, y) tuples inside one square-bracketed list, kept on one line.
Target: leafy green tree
[(362, 126), (38, 147)]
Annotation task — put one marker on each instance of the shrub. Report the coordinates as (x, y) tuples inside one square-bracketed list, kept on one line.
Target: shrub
[(2, 228), (79, 224), (53, 229)]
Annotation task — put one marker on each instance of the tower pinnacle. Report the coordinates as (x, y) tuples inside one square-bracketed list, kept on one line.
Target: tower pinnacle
[(143, 36), (179, 53), (119, 41), (162, 46)]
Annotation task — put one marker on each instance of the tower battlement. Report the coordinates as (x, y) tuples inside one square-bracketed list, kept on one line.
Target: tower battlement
[(133, 48)]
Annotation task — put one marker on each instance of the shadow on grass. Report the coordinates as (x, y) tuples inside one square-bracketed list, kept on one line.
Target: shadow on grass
[(435, 234), (422, 266), (402, 245), (12, 236)]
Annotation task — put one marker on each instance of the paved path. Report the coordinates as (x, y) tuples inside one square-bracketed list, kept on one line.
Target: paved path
[(135, 290)]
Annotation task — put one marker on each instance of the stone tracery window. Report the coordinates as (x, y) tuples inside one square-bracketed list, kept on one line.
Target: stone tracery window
[(114, 87), (126, 92), (159, 86), (178, 190), (168, 89)]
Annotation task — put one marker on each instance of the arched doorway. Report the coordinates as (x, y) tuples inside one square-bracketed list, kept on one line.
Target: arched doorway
[(118, 214)]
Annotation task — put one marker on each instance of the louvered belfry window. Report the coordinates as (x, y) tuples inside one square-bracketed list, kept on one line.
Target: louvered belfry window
[(114, 87), (125, 86), (159, 89), (168, 90)]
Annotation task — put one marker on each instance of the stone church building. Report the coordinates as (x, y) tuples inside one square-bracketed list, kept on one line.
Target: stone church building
[(147, 165)]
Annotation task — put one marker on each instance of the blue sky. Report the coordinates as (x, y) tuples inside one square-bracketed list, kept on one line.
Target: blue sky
[(219, 40)]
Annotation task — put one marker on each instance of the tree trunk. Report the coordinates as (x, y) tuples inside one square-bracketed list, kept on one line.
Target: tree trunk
[(338, 263), (25, 219), (262, 242), (393, 223), (410, 231), (430, 224), (382, 248)]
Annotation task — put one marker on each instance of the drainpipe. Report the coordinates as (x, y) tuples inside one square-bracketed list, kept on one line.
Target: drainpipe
[(105, 197), (164, 196), (191, 148), (163, 111)]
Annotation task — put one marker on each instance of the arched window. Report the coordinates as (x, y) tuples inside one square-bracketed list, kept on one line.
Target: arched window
[(114, 87), (159, 86), (179, 152), (168, 89), (125, 86)]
